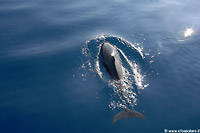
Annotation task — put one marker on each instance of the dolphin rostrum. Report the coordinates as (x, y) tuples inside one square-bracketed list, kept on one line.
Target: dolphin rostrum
[(112, 62)]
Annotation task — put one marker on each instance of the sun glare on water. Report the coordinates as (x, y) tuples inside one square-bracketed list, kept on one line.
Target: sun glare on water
[(188, 32)]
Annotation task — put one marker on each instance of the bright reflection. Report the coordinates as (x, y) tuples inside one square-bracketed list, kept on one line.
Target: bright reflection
[(113, 53), (188, 32)]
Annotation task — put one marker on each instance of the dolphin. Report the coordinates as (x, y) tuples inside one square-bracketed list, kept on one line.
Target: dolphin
[(112, 62)]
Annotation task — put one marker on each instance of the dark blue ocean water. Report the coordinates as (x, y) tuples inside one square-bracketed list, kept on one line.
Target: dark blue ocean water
[(45, 86)]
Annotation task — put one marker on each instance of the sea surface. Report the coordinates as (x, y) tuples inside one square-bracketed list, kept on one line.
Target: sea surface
[(52, 79)]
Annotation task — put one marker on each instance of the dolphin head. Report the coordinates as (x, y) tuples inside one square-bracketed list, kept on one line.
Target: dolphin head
[(111, 60)]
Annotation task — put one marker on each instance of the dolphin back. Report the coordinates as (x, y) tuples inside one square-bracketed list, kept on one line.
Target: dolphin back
[(125, 114), (111, 60)]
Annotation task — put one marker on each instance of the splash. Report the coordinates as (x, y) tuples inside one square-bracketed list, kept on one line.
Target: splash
[(132, 81)]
